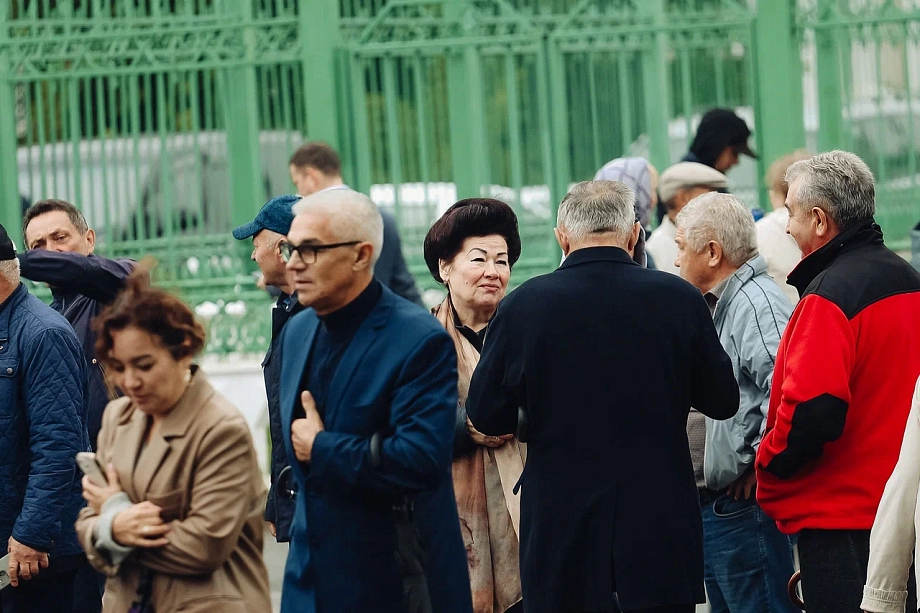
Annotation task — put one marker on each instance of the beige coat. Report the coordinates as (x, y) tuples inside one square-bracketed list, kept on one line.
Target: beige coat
[(893, 543), (201, 468)]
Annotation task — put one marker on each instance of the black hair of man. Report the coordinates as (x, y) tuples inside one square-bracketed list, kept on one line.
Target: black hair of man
[(320, 156), (47, 206)]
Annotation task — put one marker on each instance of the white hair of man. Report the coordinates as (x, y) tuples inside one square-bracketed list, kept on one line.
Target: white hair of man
[(838, 182), (352, 216), (721, 218), (597, 207), (9, 270)]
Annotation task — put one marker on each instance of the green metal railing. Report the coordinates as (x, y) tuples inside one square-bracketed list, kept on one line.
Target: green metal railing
[(170, 121)]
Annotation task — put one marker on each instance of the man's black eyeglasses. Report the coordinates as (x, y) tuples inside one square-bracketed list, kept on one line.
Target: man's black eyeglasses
[(309, 252)]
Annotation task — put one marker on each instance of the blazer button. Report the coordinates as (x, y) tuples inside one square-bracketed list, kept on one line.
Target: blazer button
[(9, 371), (94, 360)]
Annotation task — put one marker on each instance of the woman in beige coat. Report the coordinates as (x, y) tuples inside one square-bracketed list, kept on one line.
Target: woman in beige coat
[(179, 527)]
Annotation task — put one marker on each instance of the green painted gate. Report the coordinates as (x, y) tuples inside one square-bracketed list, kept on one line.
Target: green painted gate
[(169, 121)]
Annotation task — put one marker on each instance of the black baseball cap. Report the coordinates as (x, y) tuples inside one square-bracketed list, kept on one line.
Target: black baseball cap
[(7, 248), (720, 128)]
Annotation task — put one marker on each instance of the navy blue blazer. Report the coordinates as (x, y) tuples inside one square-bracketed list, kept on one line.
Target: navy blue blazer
[(397, 377)]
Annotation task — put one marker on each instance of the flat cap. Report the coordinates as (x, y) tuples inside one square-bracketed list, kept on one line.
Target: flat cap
[(275, 215), (689, 174)]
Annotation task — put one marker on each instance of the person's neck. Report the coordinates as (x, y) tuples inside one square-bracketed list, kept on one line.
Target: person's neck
[(347, 298), (6, 290), (330, 182), (287, 288), (721, 275), (473, 318), (599, 241), (672, 215)]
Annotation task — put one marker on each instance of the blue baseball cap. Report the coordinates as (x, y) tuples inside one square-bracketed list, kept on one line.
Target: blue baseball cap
[(275, 215)]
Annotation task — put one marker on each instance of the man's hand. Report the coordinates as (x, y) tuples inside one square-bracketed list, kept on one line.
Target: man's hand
[(486, 441), (25, 562), (305, 429), (272, 528), (140, 525), (743, 486), (96, 495)]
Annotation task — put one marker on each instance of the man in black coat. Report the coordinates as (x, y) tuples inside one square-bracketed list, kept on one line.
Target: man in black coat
[(610, 515)]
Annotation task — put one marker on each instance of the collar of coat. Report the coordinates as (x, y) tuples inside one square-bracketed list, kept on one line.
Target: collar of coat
[(858, 234), (755, 267), (597, 254)]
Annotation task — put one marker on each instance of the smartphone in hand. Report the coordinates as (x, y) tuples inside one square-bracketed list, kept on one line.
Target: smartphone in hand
[(90, 466)]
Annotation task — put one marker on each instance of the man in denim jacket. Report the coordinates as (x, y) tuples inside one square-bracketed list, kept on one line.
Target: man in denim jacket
[(747, 560), (42, 428)]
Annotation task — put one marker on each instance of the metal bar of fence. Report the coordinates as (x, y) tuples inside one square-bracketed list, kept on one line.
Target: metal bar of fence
[(625, 92), (882, 176), (421, 118), (594, 115), (394, 155), (908, 88), (514, 124)]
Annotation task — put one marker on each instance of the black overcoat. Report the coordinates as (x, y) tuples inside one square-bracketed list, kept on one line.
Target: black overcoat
[(606, 358)]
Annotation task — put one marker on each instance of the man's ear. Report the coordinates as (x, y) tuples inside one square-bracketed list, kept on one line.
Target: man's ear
[(634, 238), (365, 253), (715, 254), (823, 222), (91, 239), (563, 241)]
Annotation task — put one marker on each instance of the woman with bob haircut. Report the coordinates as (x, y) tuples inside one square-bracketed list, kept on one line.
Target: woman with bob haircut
[(470, 250), (179, 525)]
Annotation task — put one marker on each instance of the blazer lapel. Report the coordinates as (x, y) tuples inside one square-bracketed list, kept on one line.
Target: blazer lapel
[(175, 425), (362, 341), (295, 356), (125, 447)]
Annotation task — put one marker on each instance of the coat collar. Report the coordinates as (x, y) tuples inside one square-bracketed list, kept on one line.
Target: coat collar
[(175, 426), (859, 234), (597, 254), (6, 310), (754, 267)]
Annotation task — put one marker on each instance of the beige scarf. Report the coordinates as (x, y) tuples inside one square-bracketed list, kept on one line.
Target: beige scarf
[(490, 512)]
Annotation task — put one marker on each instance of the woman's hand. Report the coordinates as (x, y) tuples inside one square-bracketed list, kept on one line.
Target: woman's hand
[(140, 525), (486, 441), (96, 495)]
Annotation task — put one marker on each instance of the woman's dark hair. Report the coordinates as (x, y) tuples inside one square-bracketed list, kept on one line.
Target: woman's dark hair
[(466, 218), (154, 311)]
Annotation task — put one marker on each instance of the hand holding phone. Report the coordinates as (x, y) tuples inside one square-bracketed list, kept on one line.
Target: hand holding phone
[(90, 466)]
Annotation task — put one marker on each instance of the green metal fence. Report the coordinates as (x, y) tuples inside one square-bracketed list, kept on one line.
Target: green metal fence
[(170, 121)]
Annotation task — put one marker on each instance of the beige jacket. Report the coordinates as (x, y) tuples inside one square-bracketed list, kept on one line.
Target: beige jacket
[(661, 246), (201, 468), (894, 533), (779, 250)]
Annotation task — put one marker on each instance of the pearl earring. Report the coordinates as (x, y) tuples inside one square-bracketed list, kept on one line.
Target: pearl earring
[(188, 376)]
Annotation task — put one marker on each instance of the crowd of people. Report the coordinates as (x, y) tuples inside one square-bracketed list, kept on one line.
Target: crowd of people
[(663, 420)]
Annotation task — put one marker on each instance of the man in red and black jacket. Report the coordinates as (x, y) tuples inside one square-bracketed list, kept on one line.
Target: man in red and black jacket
[(843, 381)]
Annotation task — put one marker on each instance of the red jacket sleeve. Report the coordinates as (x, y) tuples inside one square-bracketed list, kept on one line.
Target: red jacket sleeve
[(814, 391)]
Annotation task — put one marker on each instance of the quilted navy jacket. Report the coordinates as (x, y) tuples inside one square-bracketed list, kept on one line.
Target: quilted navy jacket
[(42, 425)]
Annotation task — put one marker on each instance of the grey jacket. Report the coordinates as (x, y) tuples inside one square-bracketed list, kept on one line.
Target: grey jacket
[(750, 318)]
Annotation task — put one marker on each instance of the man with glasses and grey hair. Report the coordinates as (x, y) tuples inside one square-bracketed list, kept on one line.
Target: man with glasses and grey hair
[(843, 382), (369, 403), (610, 515), (747, 560)]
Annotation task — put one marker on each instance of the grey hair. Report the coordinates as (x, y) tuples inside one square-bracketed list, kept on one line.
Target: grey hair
[(721, 218), (9, 270), (597, 207), (352, 216), (838, 182)]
